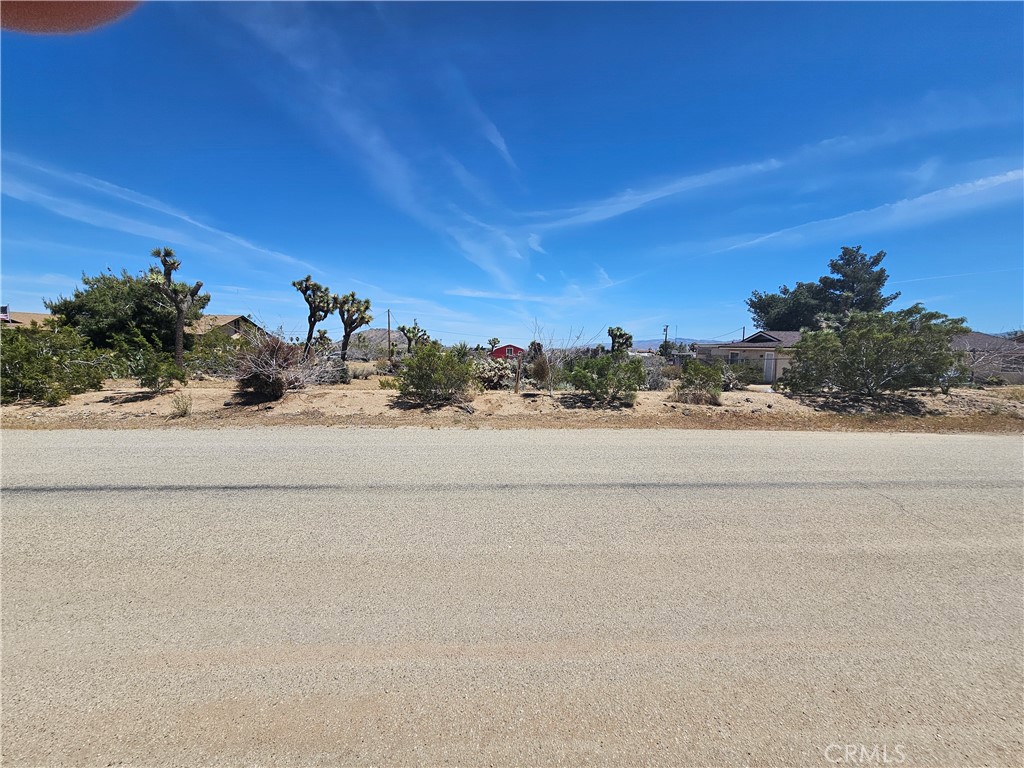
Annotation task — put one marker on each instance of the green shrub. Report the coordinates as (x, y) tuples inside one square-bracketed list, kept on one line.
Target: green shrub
[(747, 372), (699, 384), (215, 354), (877, 352), (671, 371), (431, 375), (48, 364), (139, 359), (462, 352), (607, 378), (540, 369), (387, 382)]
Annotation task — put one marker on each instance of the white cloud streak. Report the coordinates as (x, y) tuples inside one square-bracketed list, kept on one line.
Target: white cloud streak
[(98, 213), (949, 201), (631, 200)]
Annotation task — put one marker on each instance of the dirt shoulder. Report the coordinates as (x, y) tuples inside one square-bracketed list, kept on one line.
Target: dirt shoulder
[(122, 405)]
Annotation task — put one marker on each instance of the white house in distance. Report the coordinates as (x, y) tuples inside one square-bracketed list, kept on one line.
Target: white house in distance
[(768, 349)]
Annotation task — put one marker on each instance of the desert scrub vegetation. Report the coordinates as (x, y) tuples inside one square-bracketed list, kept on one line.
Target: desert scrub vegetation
[(270, 367), (181, 405), (876, 352), (139, 359), (48, 364), (739, 375), (434, 376), (494, 374), (1014, 394), (699, 384), (608, 378), (362, 371)]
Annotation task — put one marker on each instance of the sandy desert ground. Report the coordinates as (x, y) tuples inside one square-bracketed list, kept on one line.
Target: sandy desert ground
[(121, 404)]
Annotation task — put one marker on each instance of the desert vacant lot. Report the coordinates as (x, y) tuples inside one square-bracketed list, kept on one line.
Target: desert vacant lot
[(310, 596), (121, 405)]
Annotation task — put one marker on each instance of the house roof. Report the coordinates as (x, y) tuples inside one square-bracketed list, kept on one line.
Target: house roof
[(26, 319), (984, 342), (207, 323), (765, 340)]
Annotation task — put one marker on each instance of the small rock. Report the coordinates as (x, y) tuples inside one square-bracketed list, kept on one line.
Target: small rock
[(769, 406), (467, 408), (227, 402), (747, 400), (756, 410)]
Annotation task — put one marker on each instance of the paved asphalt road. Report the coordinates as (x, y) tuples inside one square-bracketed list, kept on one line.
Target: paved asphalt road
[(308, 596)]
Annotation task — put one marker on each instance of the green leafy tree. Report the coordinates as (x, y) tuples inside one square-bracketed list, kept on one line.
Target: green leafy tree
[(321, 304), (183, 298), (667, 349), (355, 313), (48, 364), (857, 283), (621, 341), (854, 285), (878, 352), (111, 306)]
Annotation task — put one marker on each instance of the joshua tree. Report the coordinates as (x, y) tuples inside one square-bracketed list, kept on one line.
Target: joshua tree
[(355, 313), (621, 341), (493, 343), (321, 304), (182, 297), (413, 335)]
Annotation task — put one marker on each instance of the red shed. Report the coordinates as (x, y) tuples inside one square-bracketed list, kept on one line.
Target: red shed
[(506, 351)]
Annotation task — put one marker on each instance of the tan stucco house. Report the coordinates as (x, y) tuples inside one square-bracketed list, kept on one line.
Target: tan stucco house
[(231, 325), (768, 349)]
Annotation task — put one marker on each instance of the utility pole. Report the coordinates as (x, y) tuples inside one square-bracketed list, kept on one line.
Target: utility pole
[(390, 348), (666, 334)]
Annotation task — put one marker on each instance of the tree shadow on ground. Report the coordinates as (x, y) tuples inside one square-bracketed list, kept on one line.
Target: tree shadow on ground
[(578, 401), (400, 403), (124, 398), (244, 399), (887, 404)]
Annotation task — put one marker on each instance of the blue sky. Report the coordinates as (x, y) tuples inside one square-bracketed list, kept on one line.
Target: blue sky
[(485, 167)]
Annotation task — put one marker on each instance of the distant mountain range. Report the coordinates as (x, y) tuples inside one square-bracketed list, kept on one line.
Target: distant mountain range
[(643, 344)]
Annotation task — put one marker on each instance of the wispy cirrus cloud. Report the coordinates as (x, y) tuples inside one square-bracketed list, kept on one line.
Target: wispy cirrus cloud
[(101, 203), (455, 84), (631, 200), (957, 275), (948, 201)]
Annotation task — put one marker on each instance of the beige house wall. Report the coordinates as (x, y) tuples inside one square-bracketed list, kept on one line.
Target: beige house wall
[(756, 355)]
